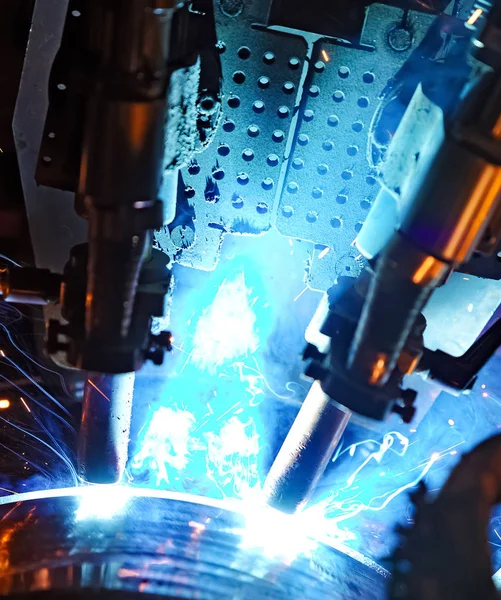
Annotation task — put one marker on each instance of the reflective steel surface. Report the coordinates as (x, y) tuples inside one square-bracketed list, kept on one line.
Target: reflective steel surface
[(163, 543)]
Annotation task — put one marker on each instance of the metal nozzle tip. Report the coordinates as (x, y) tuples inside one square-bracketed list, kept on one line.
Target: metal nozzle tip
[(305, 453), (104, 432)]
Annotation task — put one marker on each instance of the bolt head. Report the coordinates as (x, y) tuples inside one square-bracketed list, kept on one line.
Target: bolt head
[(409, 397), (399, 39)]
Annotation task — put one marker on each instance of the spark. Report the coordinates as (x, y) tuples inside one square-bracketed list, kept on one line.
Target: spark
[(323, 253), (98, 390), (325, 56), (25, 404), (277, 535), (165, 442), (475, 16), (232, 454), (102, 502), (226, 329), (451, 422), (4, 403), (35, 383), (300, 294), (260, 378), (228, 411), (40, 404), (30, 358), (7, 259), (64, 458), (470, 307), (348, 510), (377, 456)]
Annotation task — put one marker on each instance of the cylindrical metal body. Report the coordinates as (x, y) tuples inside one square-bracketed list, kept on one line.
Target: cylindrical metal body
[(104, 431), (403, 281), (306, 451), (128, 45), (169, 544), (451, 203), (455, 194)]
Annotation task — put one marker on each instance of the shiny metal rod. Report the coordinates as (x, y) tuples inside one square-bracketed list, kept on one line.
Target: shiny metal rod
[(306, 451), (104, 431)]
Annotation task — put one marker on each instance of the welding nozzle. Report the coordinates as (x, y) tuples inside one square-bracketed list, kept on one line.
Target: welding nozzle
[(306, 451), (104, 431)]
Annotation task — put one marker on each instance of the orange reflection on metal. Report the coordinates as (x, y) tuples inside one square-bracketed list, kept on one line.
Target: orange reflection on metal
[(422, 270), (378, 368), (138, 125), (97, 389), (412, 366), (407, 362), (197, 529), (474, 214), (6, 534), (496, 130), (475, 16), (41, 580), (429, 270), (25, 405), (124, 573)]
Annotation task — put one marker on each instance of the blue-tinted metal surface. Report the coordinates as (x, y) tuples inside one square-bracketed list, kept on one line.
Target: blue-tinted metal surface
[(332, 177), (231, 187), (293, 149), (165, 543)]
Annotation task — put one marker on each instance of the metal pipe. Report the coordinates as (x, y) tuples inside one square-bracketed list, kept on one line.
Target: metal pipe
[(306, 451), (60, 544), (105, 427)]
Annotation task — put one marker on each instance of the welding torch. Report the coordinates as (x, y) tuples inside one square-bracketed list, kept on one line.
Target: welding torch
[(375, 327), (128, 67)]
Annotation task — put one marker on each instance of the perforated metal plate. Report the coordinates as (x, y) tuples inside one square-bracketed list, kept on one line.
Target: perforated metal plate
[(325, 111), (330, 183), (232, 186)]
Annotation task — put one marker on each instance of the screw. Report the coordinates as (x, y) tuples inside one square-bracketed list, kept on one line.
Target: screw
[(406, 412), (231, 8), (207, 104), (156, 356), (163, 340), (315, 371), (399, 39), (408, 397), (312, 352)]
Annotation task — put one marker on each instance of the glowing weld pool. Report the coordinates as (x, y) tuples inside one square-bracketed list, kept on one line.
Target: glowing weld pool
[(172, 544)]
